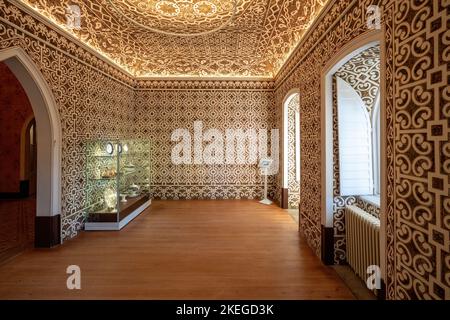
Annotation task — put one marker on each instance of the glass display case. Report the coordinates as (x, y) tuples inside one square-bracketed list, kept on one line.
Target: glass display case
[(117, 182)]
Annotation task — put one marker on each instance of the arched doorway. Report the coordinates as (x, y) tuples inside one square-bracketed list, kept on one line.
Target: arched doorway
[(17, 138), (351, 119), (47, 131), (291, 151)]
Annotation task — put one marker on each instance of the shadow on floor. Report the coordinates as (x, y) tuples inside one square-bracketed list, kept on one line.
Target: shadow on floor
[(354, 283)]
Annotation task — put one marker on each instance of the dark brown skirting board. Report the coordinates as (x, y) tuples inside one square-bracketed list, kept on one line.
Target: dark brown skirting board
[(285, 198), (47, 231), (327, 255)]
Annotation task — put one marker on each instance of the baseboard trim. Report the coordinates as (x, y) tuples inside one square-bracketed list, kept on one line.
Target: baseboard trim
[(327, 254), (47, 231), (284, 198)]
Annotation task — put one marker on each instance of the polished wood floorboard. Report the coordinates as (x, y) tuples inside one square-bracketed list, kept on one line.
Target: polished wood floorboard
[(182, 250)]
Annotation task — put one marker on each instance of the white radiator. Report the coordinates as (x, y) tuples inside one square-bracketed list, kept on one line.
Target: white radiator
[(362, 233)]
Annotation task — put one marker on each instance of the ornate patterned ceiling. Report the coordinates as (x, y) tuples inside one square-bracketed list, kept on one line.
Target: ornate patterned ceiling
[(173, 38), (179, 17)]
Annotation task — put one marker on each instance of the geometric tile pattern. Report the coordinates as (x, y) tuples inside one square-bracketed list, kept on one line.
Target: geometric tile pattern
[(417, 135), (368, 207), (96, 101), (339, 204), (160, 111), (93, 100), (331, 31), (362, 73), (418, 150)]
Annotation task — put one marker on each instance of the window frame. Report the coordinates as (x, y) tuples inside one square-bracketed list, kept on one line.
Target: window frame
[(376, 145), (297, 145)]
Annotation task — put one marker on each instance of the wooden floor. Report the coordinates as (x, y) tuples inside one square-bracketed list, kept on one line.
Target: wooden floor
[(182, 250)]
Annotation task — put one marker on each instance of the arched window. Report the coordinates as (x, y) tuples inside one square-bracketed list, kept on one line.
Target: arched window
[(376, 143)]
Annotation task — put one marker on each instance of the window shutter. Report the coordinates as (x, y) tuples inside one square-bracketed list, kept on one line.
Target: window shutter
[(355, 136)]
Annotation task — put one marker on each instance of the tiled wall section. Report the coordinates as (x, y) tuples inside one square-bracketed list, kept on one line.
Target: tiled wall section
[(418, 149), (417, 135), (417, 142), (161, 110), (344, 20), (362, 73), (94, 100)]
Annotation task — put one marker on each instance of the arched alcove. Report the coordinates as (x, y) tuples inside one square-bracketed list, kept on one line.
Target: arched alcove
[(351, 50)]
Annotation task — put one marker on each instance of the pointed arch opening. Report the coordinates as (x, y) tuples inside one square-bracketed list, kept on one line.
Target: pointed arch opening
[(291, 151), (348, 64), (47, 129), (331, 246)]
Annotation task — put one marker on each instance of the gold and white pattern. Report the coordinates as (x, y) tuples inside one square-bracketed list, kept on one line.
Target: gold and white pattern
[(253, 38)]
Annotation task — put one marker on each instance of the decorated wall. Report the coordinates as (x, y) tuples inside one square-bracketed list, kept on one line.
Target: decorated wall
[(418, 149), (417, 134), (162, 107), (362, 73), (94, 99), (15, 110)]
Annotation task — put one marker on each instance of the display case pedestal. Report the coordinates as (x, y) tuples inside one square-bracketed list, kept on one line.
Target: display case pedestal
[(126, 215)]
